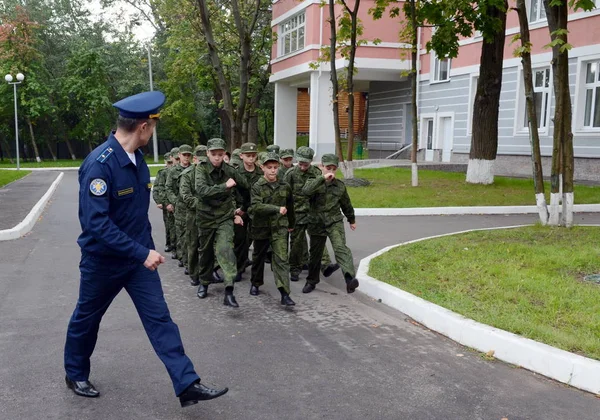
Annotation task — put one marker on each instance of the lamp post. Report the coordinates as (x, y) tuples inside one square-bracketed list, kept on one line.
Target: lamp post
[(154, 138), (9, 80)]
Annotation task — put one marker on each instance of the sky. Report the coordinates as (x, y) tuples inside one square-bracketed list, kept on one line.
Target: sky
[(144, 32)]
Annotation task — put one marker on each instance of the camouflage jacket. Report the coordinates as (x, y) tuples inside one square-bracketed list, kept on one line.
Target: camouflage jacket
[(187, 188), (251, 178), (267, 199), (172, 185), (297, 179), (282, 171), (326, 200), (158, 189), (216, 203)]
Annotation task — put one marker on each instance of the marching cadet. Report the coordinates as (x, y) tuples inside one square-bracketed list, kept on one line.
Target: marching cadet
[(286, 159), (251, 172), (216, 184), (185, 155), (235, 160), (171, 206), (117, 252), (158, 191), (273, 148), (273, 219), (327, 196), (297, 178)]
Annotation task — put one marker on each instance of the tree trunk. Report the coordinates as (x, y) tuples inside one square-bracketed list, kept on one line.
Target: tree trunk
[(413, 87), (334, 81), (51, 150), (484, 144), (562, 150), (70, 147), (33, 143), (7, 150), (536, 156)]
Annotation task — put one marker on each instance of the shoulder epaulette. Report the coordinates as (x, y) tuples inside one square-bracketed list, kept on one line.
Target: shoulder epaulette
[(105, 154)]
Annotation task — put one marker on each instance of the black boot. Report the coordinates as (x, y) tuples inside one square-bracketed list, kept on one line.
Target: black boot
[(285, 297), (186, 271), (180, 263), (229, 299), (254, 290), (194, 281), (198, 392), (238, 277), (216, 277), (330, 269), (168, 248), (202, 291), (308, 288), (351, 285), (294, 277), (173, 256)]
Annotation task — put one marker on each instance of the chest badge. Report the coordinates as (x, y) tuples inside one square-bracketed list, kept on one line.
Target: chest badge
[(98, 187)]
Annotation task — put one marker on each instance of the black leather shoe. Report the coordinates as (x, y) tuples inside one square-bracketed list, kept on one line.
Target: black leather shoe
[(180, 263), (194, 282), (294, 277), (82, 388), (308, 288), (254, 290), (216, 277), (287, 300), (173, 256), (186, 272), (351, 285), (248, 264), (198, 392), (202, 291), (330, 269), (230, 301), (168, 248), (305, 267), (238, 277)]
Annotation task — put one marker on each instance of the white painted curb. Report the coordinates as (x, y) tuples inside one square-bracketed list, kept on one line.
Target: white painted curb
[(439, 211), (27, 224), (572, 369)]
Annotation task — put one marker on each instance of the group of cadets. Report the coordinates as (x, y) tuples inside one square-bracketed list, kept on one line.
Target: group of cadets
[(216, 205)]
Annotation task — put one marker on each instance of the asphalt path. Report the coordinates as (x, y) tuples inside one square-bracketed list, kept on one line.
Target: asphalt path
[(333, 356)]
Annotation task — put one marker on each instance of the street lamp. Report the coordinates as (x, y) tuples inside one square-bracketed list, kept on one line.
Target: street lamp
[(9, 80), (154, 138)]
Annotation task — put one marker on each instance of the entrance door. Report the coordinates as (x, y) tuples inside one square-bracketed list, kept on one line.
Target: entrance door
[(446, 131), (429, 137)]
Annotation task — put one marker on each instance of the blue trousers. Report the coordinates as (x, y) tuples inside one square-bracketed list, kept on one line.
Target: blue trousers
[(100, 283)]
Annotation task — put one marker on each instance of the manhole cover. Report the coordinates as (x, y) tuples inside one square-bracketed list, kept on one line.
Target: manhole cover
[(593, 278)]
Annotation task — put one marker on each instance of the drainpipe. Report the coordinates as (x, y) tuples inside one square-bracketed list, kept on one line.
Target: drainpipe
[(419, 29)]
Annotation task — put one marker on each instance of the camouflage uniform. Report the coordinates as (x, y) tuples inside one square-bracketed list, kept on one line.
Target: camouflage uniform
[(171, 215), (269, 227), (173, 181), (214, 216), (158, 192), (285, 153), (326, 221), (235, 160), (272, 148), (299, 246), (242, 238)]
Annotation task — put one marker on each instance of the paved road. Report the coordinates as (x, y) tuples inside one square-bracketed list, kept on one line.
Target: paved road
[(333, 356)]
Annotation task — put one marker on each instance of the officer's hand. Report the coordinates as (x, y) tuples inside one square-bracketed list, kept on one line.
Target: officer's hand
[(153, 260), (230, 183), (170, 208), (237, 220), (353, 226), (160, 206), (283, 211), (329, 176)]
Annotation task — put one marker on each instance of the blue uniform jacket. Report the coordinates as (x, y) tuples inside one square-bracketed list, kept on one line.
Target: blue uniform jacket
[(114, 196)]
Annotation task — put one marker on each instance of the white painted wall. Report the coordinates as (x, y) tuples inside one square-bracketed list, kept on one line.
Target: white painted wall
[(322, 139), (286, 104)]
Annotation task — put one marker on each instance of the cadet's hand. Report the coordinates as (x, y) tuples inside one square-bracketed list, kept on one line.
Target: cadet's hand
[(230, 183), (160, 206), (237, 220), (170, 208), (239, 212), (329, 176), (290, 230), (283, 211), (153, 260), (353, 226)]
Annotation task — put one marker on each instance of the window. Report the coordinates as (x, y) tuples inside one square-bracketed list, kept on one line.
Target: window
[(541, 95), (291, 36), (591, 116), (441, 69), (537, 12), (472, 93)]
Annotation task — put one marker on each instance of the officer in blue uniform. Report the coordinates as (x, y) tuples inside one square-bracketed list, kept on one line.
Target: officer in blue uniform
[(117, 252)]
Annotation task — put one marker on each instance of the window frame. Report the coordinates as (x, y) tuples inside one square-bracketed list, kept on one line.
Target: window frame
[(580, 96), (435, 66), (296, 22), (473, 79), (521, 126), (594, 86), (540, 7)]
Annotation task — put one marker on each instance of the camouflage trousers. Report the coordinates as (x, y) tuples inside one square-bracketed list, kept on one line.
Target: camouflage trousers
[(166, 222), (180, 217), (241, 243), (217, 244), (171, 230), (299, 254), (191, 231), (343, 255), (279, 260)]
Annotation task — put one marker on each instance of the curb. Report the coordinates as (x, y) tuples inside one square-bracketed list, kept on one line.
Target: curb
[(65, 168), (563, 366), (27, 224), (441, 211)]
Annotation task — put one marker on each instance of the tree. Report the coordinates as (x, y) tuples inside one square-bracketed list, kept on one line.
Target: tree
[(524, 51)]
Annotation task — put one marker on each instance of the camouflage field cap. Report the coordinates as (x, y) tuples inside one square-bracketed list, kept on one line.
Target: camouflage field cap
[(174, 151), (330, 159), (273, 148), (269, 157), (236, 152), (185, 148), (304, 154), (167, 155), (286, 153), (249, 148), (216, 144), (200, 150)]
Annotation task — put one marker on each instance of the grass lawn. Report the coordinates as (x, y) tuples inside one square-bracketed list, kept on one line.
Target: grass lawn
[(61, 163), (528, 281), (391, 187), (7, 177)]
